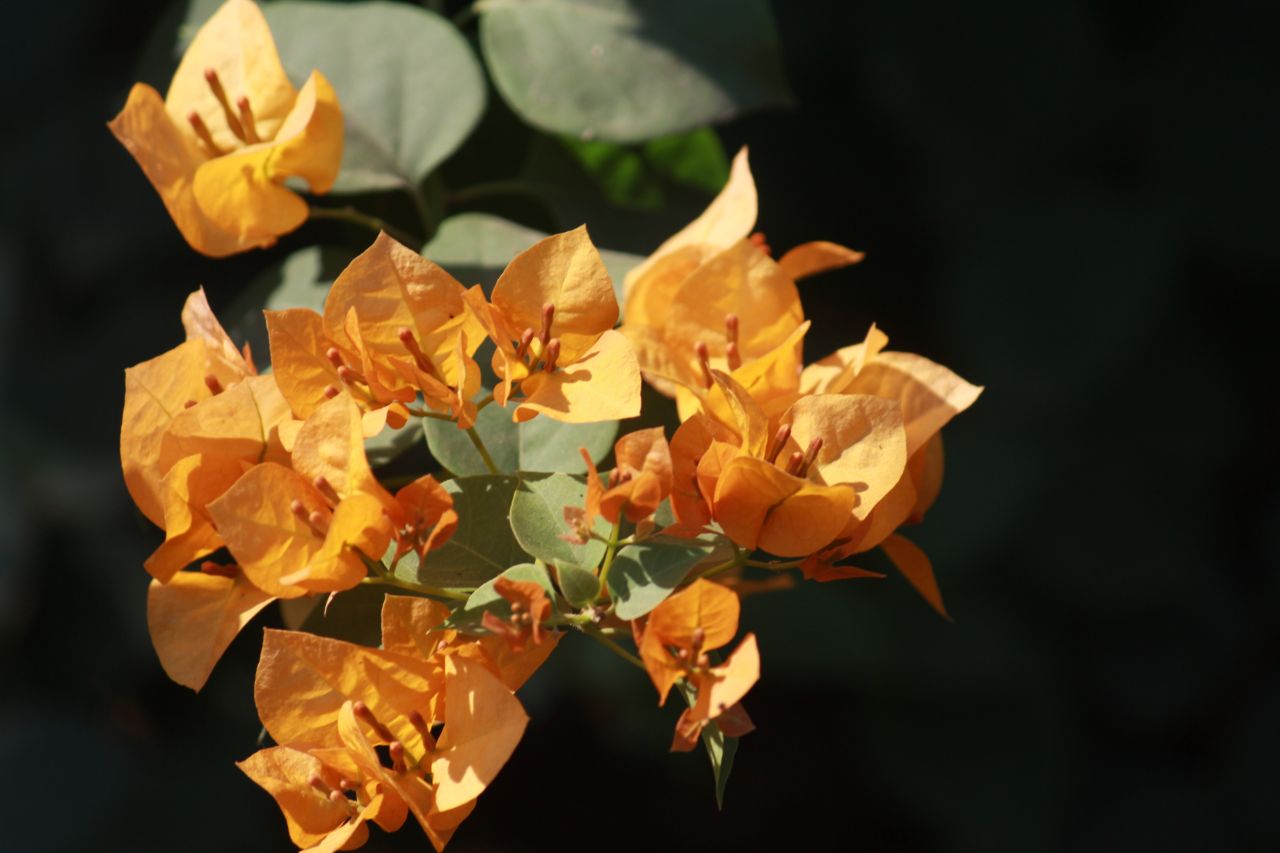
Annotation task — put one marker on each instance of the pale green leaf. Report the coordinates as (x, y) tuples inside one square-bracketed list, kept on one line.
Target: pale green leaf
[(410, 87), (644, 574), (537, 519), (630, 70), (483, 545), (579, 586)]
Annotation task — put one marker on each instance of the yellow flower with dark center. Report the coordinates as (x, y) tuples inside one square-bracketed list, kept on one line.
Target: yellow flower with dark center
[(231, 129)]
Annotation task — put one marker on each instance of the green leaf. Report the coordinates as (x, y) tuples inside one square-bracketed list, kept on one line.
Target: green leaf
[(476, 248), (486, 595), (720, 749), (644, 574), (579, 586), (541, 444), (637, 176), (483, 545), (537, 519), (354, 615), (410, 87), (630, 70)]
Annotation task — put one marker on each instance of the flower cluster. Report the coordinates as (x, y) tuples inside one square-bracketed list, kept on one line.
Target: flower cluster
[(265, 490)]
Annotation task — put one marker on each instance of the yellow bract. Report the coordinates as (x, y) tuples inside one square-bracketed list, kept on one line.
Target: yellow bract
[(231, 129)]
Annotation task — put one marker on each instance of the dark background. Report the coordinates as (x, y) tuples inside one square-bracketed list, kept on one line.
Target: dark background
[(1071, 203)]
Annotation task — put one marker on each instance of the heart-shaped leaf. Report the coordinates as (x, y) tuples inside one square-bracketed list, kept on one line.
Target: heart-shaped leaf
[(409, 85), (630, 70), (644, 574), (579, 586), (537, 519)]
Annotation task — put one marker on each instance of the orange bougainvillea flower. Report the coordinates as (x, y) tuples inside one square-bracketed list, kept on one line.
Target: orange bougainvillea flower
[(711, 297), (551, 316), (303, 530), (426, 517), (231, 129), (832, 459), (337, 701), (674, 645), (394, 325), (530, 607), (158, 390), (641, 481), (929, 395)]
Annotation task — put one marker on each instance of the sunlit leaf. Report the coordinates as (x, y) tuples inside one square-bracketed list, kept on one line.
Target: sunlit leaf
[(537, 519), (410, 87), (644, 574), (629, 70)]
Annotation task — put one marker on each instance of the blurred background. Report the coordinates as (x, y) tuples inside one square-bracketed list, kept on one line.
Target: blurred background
[(1071, 203)]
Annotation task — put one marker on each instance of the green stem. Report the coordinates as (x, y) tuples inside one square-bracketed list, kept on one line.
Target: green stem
[(423, 589), (427, 413), (482, 450), (425, 216), (739, 559), (776, 566), (479, 192), (609, 552), (355, 217), (486, 401), (618, 650)]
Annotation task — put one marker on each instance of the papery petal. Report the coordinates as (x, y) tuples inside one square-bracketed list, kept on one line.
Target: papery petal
[(730, 681), (237, 44), (564, 270), (194, 617), (198, 321), (238, 193), (602, 385), (915, 566), (169, 158), (155, 391), (483, 724), (186, 489), (411, 625), (817, 257), (303, 681), (309, 142), (330, 445), (930, 394), (760, 506), (863, 442), (298, 346), (286, 774), (729, 218)]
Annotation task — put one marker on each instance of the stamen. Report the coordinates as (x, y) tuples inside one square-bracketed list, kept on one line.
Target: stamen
[(209, 567), (338, 797), (397, 756), (795, 463), (526, 338), (202, 133), (188, 404), (335, 357), (704, 359), (548, 314), (758, 240), (420, 358), (420, 726), (215, 85), (246, 120), (326, 488), (366, 716), (319, 784), (733, 354), (552, 353), (211, 382), (697, 639), (319, 524), (810, 456), (779, 441), (349, 376), (330, 391), (731, 328)]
